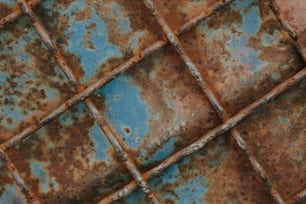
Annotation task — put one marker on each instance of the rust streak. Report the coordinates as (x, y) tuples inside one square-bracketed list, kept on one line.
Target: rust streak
[(205, 139), (110, 133), (213, 98), (10, 18)]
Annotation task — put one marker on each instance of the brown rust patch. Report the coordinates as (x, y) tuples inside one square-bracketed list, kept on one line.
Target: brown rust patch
[(276, 136), (67, 152)]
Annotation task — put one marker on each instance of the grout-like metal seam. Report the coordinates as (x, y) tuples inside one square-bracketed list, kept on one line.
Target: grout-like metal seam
[(105, 126), (209, 136), (300, 197), (7, 162), (213, 98), (10, 18)]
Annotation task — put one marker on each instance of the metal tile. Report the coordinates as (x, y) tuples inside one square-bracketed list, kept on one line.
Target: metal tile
[(243, 51), (69, 160), (97, 36), (31, 83), (156, 108), (276, 135)]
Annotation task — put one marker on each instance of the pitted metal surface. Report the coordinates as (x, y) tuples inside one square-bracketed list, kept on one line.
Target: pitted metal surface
[(152, 101)]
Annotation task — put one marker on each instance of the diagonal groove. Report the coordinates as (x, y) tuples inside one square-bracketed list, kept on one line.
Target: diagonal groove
[(109, 132), (209, 136), (6, 161), (299, 197)]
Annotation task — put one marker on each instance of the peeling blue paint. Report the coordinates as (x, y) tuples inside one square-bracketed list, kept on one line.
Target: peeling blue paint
[(125, 108), (10, 3), (102, 146), (275, 76), (91, 59), (124, 23), (12, 195), (166, 150), (45, 181)]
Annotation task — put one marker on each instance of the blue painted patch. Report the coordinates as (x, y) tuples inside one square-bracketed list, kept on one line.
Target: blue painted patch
[(275, 76), (91, 59), (101, 144), (45, 180), (124, 23), (68, 117), (125, 109), (12, 195), (167, 149), (9, 3), (190, 190)]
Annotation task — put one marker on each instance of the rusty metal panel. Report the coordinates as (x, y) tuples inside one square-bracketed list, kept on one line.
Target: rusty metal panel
[(97, 36), (69, 160), (243, 51), (152, 101), (31, 82), (153, 108), (208, 176), (276, 135)]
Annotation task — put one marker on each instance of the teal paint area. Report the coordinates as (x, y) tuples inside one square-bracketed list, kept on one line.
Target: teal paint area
[(126, 110), (45, 180), (91, 59), (183, 190), (101, 145), (238, 43), (9, 3), (237, 34), (12, 195), (168, 147), (19, 74)]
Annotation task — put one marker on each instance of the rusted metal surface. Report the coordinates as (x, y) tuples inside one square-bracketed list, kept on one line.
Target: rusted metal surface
[(159, 114), (31, 82), (292, 15), (10, 192)]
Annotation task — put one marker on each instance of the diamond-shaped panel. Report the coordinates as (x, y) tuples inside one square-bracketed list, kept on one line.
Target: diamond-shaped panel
[(156, 107)]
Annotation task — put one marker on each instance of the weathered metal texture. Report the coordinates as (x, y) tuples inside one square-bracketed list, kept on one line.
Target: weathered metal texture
[(97, 36), (10, 192), (69, 160), (292, 14), (209, 176), (243, 51), (6, 7), (156, 108), (276, 135), (31, 83)]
